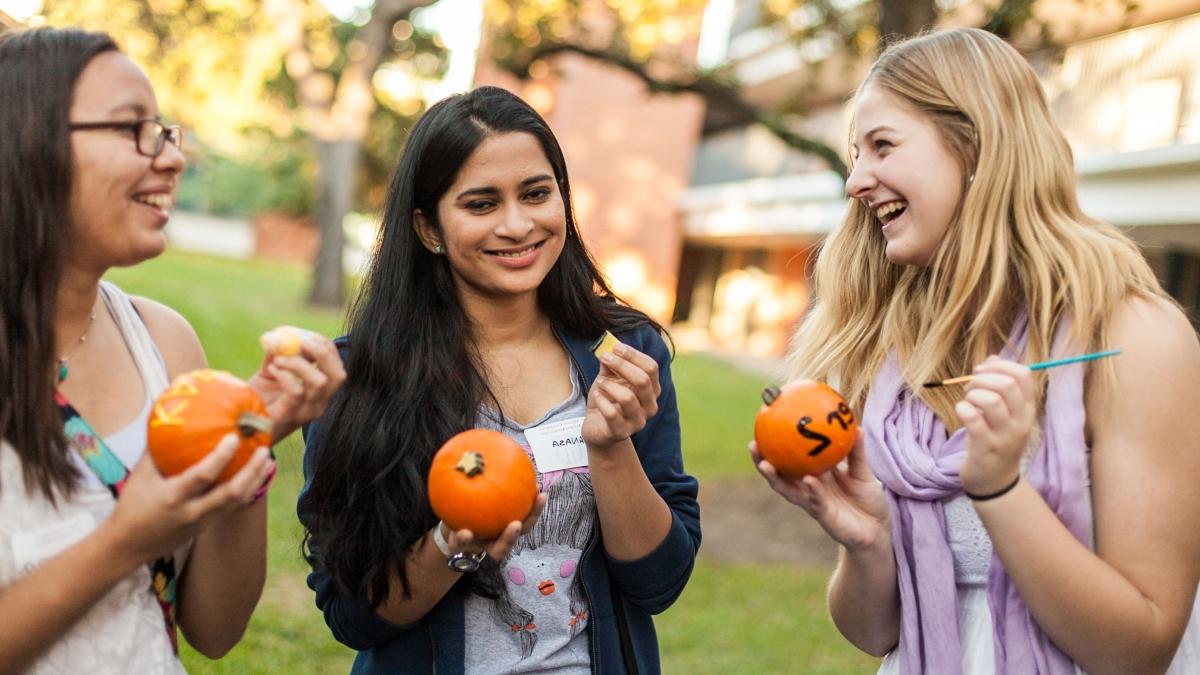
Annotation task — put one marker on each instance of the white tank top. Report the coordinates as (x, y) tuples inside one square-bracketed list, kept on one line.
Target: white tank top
[(124, 633)]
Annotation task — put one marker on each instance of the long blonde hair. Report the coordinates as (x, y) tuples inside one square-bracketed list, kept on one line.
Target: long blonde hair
[(1018, 242)]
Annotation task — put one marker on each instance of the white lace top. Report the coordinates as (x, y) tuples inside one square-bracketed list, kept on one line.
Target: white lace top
[(969, 543), (124, 633)]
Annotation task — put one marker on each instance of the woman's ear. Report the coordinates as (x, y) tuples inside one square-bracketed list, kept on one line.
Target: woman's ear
[(426, 232)]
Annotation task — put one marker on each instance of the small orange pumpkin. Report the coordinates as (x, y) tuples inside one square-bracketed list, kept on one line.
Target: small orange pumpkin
[(481, 480), (196, 412), (806, 428)]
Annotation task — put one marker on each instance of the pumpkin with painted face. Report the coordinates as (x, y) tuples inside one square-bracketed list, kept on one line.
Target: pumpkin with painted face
[(196, 412), (481, 480), (805, 428)]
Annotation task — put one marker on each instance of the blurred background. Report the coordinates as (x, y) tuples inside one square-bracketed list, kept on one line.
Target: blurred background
[(707, 148)]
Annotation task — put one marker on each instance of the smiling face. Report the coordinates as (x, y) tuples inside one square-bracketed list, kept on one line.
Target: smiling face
[(120, 199), (904, 174), (502, 220)]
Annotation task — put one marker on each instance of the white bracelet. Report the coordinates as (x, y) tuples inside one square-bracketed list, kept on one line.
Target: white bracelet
[(440, 541)]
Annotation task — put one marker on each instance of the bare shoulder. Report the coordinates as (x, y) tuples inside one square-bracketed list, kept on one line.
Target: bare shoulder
[(173, 335), (1153, 381), (1153, 333)]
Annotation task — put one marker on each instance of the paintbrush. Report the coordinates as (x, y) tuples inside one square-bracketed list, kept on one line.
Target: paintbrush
[(1037, 366)]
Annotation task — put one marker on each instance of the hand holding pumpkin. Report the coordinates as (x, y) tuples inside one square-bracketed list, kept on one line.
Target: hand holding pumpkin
[(198, 410), (301, 372), (156, 515), (496, 548), (847, 502), (482, 484), (801, 434), (623, 397)]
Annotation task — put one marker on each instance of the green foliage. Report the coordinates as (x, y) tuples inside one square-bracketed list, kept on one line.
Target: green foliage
[(277, 178)]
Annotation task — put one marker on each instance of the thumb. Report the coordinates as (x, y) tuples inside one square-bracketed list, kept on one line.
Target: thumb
[(857, 459)]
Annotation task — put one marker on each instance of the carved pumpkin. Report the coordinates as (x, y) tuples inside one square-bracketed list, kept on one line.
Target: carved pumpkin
[(481, 481), (806, 428), (195, 413)]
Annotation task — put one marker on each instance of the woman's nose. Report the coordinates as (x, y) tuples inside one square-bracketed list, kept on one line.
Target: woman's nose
[(860, 182), (517, 222)]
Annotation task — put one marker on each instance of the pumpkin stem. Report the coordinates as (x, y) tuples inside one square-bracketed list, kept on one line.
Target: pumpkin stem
[(471, 464), (770, 394), (249, 424)]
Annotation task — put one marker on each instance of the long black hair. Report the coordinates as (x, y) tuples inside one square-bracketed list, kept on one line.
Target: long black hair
[(413, 372), (38, 73)]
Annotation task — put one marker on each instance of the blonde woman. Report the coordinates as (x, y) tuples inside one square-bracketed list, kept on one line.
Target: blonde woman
[(1025, 522)]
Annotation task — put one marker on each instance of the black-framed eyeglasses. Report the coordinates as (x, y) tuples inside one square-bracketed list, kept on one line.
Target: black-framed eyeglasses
[(150, 135)]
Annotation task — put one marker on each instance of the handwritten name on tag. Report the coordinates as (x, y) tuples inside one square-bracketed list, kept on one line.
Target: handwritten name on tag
[(33, 548), (558, 445)]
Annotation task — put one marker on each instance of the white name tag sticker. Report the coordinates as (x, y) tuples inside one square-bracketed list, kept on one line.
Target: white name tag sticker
[(558, 445), (31, 549)]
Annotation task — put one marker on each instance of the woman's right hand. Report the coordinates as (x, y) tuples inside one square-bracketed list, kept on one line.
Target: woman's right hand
[(498, 548), (156, 515), (847, 501)]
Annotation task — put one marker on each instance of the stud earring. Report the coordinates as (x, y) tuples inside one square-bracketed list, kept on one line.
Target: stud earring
[(437, 248)]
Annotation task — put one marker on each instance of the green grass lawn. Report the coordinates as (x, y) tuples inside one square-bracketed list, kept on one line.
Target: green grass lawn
[(731, 619)]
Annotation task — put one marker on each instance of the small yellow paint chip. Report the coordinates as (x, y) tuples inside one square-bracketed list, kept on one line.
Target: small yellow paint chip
[(608, 343)]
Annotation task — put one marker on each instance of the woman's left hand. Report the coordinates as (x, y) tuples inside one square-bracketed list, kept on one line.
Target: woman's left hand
[(998, 411), (622, 398), (297, 388)]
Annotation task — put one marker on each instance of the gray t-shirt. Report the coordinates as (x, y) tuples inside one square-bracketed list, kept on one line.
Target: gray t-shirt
[(539, 624)]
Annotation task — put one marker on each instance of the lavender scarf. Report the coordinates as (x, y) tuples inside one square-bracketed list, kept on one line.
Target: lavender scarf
[(917, 462)]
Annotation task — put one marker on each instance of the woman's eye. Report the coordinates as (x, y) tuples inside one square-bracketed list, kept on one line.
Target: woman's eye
[(538, 194), (881, 145), (479, 205)]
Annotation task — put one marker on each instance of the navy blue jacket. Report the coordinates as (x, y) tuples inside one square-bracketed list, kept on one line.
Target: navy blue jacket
[(622, 595)]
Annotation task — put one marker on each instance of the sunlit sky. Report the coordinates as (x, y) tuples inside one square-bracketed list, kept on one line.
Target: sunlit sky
[(458, 22)]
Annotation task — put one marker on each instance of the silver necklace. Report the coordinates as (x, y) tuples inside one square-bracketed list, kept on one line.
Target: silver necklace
[(62, 360)]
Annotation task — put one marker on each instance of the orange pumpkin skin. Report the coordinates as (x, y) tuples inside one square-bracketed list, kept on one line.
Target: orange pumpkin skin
[(806, 428), (481, 481), (195, 413)]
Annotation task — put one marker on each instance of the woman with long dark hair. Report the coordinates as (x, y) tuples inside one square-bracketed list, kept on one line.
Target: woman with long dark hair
[(482, 309), (89, 581)]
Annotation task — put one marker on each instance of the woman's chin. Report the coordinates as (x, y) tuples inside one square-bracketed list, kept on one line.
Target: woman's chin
[(899, 254)]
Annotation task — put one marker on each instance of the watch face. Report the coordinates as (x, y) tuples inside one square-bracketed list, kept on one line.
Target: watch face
[(464, 562)]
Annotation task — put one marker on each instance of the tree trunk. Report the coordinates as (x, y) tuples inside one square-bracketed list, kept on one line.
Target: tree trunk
[(337, 163)]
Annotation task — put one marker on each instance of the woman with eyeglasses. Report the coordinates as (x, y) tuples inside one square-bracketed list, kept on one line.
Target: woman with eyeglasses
[(95, 573)]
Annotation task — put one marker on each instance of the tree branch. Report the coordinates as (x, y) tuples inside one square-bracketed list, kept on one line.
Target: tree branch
[(714, 91)]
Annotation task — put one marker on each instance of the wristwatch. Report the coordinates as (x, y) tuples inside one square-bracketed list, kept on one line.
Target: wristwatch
[(459, 562)]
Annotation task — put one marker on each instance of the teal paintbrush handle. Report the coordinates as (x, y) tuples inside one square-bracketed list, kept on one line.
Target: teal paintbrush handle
[(1074, 359)]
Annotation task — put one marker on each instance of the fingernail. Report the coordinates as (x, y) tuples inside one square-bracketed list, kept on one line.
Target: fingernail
[(621, 349)]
